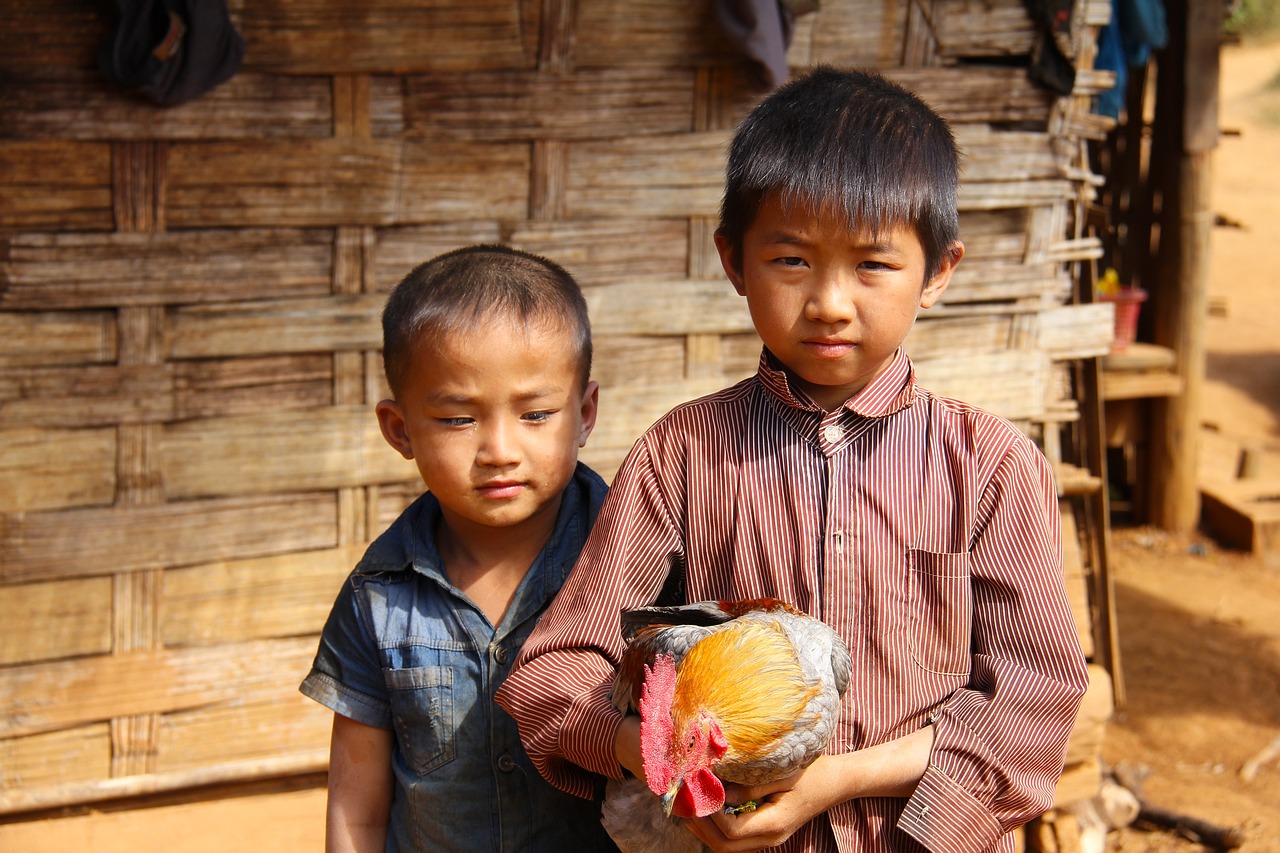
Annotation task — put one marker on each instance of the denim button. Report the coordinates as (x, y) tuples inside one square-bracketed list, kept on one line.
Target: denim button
[(506, 763), (500, 654)]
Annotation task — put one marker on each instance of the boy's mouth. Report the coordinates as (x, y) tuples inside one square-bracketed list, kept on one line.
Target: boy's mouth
[(499, 489), (829, 347)]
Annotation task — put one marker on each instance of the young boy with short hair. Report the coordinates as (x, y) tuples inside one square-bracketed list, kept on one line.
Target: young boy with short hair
[(925, 531), (488, 356)]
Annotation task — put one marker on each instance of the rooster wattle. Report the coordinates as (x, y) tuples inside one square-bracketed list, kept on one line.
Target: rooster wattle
[(746, 692)]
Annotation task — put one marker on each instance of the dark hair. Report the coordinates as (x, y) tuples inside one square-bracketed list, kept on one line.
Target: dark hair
[(854, 144), (454, 291)]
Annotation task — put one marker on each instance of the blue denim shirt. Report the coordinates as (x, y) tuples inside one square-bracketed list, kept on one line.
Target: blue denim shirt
[(403, 649)]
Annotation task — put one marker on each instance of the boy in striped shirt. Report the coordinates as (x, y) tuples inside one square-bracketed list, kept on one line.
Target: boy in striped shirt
[(925, 531)]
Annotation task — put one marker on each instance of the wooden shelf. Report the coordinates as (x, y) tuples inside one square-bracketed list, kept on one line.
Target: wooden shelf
[(1139, 371)]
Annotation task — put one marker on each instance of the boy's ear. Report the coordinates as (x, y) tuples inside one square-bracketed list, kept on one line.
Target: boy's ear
[(731, 262), (936, 286), (590, 408), (394, 429)]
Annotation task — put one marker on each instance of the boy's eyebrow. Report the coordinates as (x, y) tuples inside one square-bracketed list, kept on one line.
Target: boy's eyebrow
[(789, 238)]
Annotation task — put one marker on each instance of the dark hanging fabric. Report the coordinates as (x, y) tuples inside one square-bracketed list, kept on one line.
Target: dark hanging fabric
[(171, 51), (1136, 28), (761, 30), (1051, 52)]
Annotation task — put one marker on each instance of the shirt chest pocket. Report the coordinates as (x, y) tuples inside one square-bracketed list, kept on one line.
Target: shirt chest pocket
[(941, 611), (422, 705)]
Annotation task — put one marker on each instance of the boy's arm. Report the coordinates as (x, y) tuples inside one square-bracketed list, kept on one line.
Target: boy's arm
[(360, 785), (558, 690), (999, 741)]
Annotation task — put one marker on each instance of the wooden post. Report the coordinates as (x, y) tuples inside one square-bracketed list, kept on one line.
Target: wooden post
[(1189, 96)]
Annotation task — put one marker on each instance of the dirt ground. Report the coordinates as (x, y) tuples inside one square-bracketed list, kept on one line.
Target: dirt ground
[(1199, 625)]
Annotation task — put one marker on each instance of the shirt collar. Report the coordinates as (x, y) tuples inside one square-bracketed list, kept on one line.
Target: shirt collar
[(890, 392)]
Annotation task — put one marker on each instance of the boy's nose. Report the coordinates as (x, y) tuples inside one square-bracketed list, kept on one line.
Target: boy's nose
[(831, 300), (498, 446)]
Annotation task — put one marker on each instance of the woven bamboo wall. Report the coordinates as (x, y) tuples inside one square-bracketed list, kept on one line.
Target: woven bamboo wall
[(189, 303)]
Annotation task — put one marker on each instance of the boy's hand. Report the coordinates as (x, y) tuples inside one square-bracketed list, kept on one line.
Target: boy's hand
[(782, 807)]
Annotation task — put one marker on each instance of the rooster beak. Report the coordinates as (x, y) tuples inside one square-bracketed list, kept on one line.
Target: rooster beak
[(669, 798)]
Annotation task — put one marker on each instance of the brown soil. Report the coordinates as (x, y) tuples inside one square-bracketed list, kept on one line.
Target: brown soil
[(1199, 625)]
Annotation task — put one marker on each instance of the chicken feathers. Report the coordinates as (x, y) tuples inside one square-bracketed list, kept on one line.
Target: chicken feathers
[(746, 692)]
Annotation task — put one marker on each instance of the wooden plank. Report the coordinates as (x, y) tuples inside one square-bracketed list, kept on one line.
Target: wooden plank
[(56, 619), (975, 28), (57, 338), (81, 754), (1011, 384), (605, 251), (366, 182), (1131, 385), (589, 103), (1245, 514), (647, 176), (627, 410), (232, 601), (35, 546), (210, 736), (56, 468), (340, 322), (1000, 281), (667, 308), (624, 359), (1075, 331), (1085, 742), (397, 250), (57, 102), (47, 271), (1075, 578), (389, 36), (939, 338), (61, 694), (977, 93), (55, 184), (994, 195), (261, 454), (658, 33), (855, 33), (56, 33)]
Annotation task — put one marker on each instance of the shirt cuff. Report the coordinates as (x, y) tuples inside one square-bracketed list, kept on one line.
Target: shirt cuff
[(343, 700), (945, 818)]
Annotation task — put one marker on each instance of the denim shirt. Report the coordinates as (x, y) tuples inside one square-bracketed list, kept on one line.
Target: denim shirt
[(403, 649)]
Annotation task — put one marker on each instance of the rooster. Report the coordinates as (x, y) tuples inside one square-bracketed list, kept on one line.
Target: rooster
[(746, 692)]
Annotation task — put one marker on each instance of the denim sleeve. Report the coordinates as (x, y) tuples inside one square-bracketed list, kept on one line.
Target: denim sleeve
[(346, 675)]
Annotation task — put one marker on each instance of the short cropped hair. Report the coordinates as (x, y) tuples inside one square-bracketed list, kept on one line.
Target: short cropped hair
[(851, 143), (454, 291)]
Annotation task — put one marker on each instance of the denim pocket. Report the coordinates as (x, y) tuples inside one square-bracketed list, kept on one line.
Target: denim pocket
[(941, 602), (422, 710)]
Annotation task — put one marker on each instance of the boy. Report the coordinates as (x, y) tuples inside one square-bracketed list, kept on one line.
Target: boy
[(488, 356), (923, 530)]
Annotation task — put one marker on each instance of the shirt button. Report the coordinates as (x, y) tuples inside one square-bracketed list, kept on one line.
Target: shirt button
[(924, 811), (500, 654), (506, 763), (832, 433)]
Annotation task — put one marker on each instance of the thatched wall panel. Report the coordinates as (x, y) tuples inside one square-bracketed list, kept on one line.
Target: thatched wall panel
[(189, 740), (56, 619), (189, 304), (55, 185), (48, 339), (388, 36), (261, 454), (237, 600), (80, 754), (55, 468), (63, 694), (35, 545), (657, 176), (659, 33), (585, 104), (80, 104), (48, 271)]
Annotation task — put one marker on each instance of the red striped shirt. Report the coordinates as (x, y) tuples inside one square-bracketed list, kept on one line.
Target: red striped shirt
[(924, 530)]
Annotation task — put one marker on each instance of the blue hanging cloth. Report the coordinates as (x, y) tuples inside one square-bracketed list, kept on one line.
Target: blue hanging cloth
[(1136, 28)]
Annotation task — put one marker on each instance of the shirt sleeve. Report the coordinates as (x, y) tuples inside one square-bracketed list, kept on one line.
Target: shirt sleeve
[(558, 690), (346, 675), (999, 743)]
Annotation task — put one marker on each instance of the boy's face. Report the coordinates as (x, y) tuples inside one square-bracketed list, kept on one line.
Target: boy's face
[(494, 417), (832, 305)]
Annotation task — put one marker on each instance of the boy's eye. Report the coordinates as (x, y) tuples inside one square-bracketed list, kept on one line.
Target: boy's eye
[(456, 422), (539, 417), (790, 261)]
